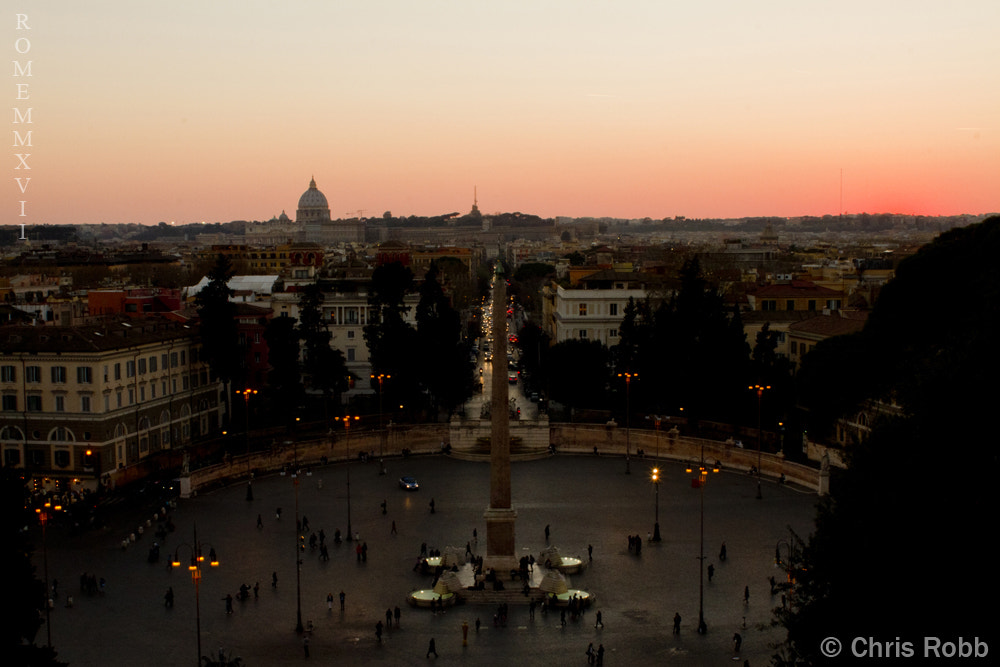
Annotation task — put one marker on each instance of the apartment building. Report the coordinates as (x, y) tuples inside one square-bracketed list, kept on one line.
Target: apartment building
[(593, 310), (80, 405)]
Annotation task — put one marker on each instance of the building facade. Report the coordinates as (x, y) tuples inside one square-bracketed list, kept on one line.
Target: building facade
[(82, 404)]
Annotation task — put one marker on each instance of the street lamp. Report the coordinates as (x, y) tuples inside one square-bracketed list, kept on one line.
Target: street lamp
[(381, 442), (760, 389), (628, 419), (655, 477), (347, 430), (246, 394), (45, 514), (197, 558), (700, 482)]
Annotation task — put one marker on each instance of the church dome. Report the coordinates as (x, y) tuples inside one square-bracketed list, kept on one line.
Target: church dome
[(313, 198), (313, 206)]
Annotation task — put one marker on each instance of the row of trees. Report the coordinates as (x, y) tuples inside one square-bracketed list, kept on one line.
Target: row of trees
[(688, 350), (429, 365)]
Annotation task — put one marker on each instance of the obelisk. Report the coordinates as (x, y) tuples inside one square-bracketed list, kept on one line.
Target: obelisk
[(500, 515)]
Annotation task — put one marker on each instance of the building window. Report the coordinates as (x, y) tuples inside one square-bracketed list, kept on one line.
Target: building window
[(152, 364), (173, 360), (118, 396), (58, 374), (129, 369), (812, 305), (11, 457), (142, 366), (583, 334), (118, 371), (33, 374), (350, 354), (9, 403), (612, 333), (790, 304), (612, 309), (62, 458), (582, 310), (85, 404), (8, 374), (183, 358), (34, 403), (60, 403), (84, 375), (768, 304)]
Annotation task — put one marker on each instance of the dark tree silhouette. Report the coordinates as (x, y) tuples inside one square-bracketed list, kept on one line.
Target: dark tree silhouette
[(901, 543)]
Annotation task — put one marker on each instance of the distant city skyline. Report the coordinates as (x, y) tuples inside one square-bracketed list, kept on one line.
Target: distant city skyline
[(187, 112)]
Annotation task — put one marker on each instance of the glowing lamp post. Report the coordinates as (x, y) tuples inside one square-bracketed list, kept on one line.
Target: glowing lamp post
[(246, 394), (347, 419), (194, 566), (628, 417), (700, 483), (45, 514), (655, 478), (381, 442), (760, 389)]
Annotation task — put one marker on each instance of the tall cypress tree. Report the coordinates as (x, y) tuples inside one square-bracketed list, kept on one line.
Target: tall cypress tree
[(218, 328)]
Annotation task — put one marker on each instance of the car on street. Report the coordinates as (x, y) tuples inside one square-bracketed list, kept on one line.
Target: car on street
[(408, 483)]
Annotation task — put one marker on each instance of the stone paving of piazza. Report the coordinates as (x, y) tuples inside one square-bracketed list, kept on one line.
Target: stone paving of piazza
[(585, 500)]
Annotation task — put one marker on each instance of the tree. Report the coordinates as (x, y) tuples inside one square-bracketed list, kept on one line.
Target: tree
[(326, 369), (219, 335), (284, 380), (444, 365), (24, 592), (900, 509), (578, 373), (392, 342)]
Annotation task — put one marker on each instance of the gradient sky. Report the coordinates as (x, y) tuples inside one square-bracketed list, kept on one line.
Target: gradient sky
[(193, 111)]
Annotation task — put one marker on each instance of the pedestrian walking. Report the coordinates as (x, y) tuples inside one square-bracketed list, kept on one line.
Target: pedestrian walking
[(392, 531), (431, 649), (590, 653), (590, 551), (342, 597), (396, 614), (260, 522), (329, 601), (722, 552), (562, 618), (600, 654), (546, 532), (378, 632), (432, 505), (600, 621), (746, 595), (737, 642), (711, 572), (274, 580), (229, 603), (388, 618), (168, 597), (305, 646), (677, 623)]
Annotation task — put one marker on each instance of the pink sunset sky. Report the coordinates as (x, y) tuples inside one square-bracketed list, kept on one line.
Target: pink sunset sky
[(187, 111)]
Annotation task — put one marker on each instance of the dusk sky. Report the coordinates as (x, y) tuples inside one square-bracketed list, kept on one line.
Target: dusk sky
[(215, 110)]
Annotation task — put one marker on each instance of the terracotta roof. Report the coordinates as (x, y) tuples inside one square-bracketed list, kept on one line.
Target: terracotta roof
[(794, 289), (834, 324)]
